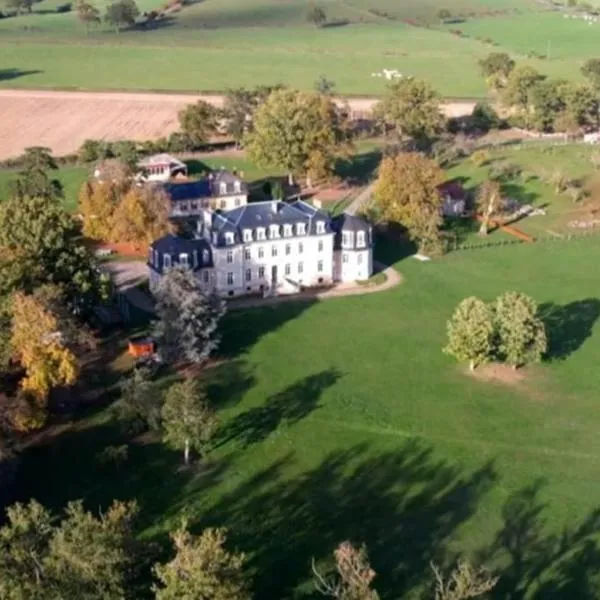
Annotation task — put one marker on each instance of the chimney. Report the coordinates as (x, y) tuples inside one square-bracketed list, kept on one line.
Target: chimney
[(274, 206)]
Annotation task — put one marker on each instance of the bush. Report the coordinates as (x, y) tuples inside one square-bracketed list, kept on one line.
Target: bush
[(64, 8), (113, 455), (505, 171), (484, 117), (179, 142)]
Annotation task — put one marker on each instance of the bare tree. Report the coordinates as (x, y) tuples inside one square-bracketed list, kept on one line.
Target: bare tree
[(464, 581)]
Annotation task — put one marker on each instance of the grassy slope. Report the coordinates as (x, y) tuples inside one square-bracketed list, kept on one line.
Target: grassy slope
[(343, 419)]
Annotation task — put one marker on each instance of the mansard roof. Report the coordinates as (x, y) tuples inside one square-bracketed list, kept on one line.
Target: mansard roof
[(189, 190), (174, 245), (222, 176), (349, 223)]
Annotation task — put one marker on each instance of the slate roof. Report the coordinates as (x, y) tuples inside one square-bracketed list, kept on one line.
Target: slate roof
[(175, 245), (347, 222), (161, 159), (190, 190), (229, 179)]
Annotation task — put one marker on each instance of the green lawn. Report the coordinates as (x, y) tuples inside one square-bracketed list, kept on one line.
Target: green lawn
[(344, 420), (214, 45)]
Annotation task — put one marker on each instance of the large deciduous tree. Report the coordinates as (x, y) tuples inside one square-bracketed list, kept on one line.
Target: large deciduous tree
[(33, 179), (471, 332), (591, 70), (188, 421), (202, 569), (463, 582), (519, 85), (188, 319), (411, 108), (489, 198), (140, 404), (316, 15), (199, 122), (87, 14), (97, 204), (121, 13), (496, 68), (521, 333), (406, 192), (303, 133)]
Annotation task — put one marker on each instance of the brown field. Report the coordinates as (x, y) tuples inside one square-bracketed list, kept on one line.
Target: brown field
[(63, 120)]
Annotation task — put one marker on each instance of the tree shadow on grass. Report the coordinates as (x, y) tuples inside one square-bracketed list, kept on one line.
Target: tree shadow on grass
[(569, 326), (8, 74), (284, 408), (544, 565), (227, 383), (404, 504), (359, 168)]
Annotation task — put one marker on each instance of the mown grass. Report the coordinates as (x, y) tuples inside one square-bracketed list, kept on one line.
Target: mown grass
[(344, 420)]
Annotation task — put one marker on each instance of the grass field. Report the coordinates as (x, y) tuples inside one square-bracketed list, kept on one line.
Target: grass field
[(214, 45), (344, 420)]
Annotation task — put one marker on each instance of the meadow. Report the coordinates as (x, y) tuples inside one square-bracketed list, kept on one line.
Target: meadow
[(213, 45), (344, 420)]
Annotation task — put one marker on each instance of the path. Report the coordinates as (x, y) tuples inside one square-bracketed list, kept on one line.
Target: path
[(127, 275), (358, 202), (62, 120)]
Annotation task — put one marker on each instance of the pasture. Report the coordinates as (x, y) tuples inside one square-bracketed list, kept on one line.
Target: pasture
[(344, 420), (212, 46)]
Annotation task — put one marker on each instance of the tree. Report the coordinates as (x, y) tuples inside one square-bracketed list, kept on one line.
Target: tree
[(471, 332), (464, 582), (410, 107), (324, 86), (187, 318), (548, 101), (291, 128), (81, 557), (97, 204), (591, 71), (521, 333), (199, 122), (202, 569), (497, 63), (141, 216), (126, 152), (489, 198), (188, 421), (444, 14), (519, 84), (354, 575), (87, 14), (121, 13), (316, 15), (140, 405), (33, 179), (38, 158), (19, 5), (47, 243), (406, 191), (582, 106)]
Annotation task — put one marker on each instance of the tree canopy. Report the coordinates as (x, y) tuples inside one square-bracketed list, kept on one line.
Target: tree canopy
[(199, 122), (121, 13), (316, 15), (591, 70)]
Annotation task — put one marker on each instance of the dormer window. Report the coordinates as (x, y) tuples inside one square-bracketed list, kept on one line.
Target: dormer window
[(166, 261), (195, 259), (260, 233), (237, 186), (287, 230), (320, 227), (247, 235), (301, 228), (183, 260), (229, 238), (360, 239), (274, 231), (347, 239), (223, 187), (205, 257), (150, 256), (215, 238)]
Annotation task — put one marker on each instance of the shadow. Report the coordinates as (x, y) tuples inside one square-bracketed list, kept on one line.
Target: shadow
[(359, 168), (153, 24), (518, 192), (392, 246), (542, 565), (8, 74), (227, 383), (285, 408), (335, 23), (459, 230), (197, 167), (568, 326), (404, 504)]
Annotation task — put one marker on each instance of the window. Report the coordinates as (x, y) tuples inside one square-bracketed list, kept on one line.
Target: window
[(238, 201), (185, 207), (360, 239), (215, 238), (300, 247), (344, 257), (237, 188), (347, 239), (273, 250), (229, 238), (166, 261), (288, 249), (287, 230), (320, 266), (248, 274), (194, 205), (205, 256), (247, 254), (360, 259), (229, 256), (261, 252), (183, 260), (261, 272), (260, 233), (274, 231), (300, 268), (205, 276), (195, 259), (288, 269), (156, 258), (223, 187), (247, 235), (229, 278), (150, 256), (223, 204), (320, 246), (301, 228), (320, 227)]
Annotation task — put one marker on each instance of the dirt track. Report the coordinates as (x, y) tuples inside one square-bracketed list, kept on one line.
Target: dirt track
[(63, 120)]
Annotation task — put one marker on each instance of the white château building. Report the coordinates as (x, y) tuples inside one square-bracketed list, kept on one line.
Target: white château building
[(267, 247)]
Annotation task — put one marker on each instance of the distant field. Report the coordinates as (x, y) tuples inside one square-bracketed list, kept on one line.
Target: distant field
[(217, 44)]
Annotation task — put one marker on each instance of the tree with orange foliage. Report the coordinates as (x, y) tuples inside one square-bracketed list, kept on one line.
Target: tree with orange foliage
[(97, 203)]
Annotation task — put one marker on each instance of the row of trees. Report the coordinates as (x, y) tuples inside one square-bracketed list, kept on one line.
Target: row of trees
[(118, 14), (542, 103), (508, 330)]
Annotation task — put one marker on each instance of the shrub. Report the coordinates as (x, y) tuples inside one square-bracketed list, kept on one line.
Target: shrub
[(505, 171), (480, 158), (64, 8), (113, 455)]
